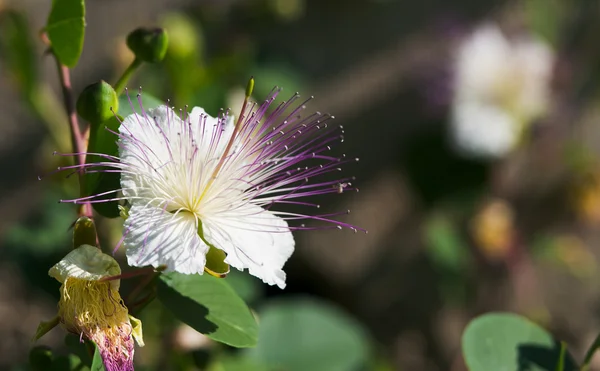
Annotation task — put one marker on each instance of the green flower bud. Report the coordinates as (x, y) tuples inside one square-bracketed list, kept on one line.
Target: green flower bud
[(84, 232), (95, 102), (148, 44)]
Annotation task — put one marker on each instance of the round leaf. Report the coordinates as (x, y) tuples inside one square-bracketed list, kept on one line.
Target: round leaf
[(210, 306), (508, 342), (303, 334)]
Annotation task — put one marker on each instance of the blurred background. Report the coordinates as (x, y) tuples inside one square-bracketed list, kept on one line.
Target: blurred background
[(477, 128)]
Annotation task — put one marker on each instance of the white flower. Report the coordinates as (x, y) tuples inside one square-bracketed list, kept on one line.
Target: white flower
[(193, 181), (500, 86)]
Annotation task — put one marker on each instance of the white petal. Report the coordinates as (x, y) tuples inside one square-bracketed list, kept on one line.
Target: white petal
[(253, 238), (159, 148), (482, 62), (204, 130), (147, 144), (156, 237), (483, 130)]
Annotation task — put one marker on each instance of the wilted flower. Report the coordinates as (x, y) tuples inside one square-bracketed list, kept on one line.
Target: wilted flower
[(194, 182), (500, 87), (93, 309)]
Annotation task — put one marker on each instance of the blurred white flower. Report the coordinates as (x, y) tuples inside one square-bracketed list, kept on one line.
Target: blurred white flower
[(500, 86)]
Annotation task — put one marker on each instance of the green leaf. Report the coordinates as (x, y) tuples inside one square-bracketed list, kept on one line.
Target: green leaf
[(210, 306), (508, 342), (65, 29), (237, 363), (45, 326), (304, 334), (97, 364), (248, 287)]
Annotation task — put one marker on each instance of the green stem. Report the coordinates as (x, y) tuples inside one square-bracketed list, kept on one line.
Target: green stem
[(120, 85), (560, 366), (590, 353)]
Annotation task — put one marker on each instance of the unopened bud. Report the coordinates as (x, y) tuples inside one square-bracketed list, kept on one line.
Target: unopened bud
[(84, 232), (97, 102), (148, 44)]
